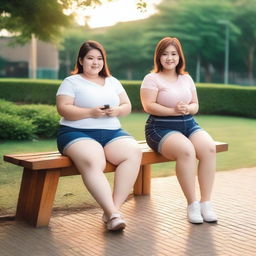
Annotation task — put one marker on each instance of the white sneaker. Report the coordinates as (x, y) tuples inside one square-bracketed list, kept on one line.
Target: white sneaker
[(194, 213), (115, 222), (207, 212)]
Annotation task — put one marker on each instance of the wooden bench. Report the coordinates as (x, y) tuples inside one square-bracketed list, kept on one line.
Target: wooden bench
[(41, 172)]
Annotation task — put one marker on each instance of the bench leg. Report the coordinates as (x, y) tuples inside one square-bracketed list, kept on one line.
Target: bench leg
[(37, 193), (146, 184), (143, 182), (137, 188)]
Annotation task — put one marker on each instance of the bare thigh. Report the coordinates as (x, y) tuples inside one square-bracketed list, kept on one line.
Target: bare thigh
[(177, 145), (122, 149), (203, 144), (87, 153)]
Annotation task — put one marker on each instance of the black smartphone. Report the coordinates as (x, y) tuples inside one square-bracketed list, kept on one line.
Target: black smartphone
[(106, 106)]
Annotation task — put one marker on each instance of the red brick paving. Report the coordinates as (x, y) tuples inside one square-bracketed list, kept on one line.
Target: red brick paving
[(157, 225)]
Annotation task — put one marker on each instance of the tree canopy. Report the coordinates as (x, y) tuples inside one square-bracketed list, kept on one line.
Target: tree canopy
[(43, 18)]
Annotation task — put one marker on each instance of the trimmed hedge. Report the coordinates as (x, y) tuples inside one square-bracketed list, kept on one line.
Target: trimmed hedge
[(213, 98), (227, 100), (29, 91), (13, 127), (19, 122)]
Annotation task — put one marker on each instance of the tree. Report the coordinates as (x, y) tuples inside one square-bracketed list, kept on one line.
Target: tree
[(196, 24), (43, 18), (40, 17), (124, 45), (245, 19)]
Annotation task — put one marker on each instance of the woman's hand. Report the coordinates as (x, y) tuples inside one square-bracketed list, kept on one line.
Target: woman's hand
[(98, 112), (113, 111), (182, 108)]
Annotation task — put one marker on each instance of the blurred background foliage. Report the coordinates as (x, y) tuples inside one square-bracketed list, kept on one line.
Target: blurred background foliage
[(199, 25)]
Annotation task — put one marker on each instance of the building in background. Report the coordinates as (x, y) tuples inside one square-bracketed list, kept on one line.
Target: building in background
[(17, 61)]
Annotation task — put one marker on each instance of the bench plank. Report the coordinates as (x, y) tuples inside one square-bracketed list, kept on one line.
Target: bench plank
[(52, 160)]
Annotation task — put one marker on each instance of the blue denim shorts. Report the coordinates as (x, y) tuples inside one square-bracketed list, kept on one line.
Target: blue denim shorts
[(158, 128), (66, 136)]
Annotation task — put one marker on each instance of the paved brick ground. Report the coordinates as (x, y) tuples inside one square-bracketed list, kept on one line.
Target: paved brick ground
[(157, 225)]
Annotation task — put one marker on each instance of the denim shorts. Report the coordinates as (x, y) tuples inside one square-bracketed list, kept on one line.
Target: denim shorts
[(66, 136), (158, 128)]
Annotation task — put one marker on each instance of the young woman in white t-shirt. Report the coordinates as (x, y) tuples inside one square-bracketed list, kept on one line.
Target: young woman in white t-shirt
[(90, 102), (169, 95)]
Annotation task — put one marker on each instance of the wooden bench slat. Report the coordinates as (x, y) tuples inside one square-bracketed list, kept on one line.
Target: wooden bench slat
[(51, 160), (24, 155), (221, 146), (16, 158)]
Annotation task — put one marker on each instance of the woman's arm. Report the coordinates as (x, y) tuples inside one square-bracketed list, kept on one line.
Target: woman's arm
[(67, 109), (124, 107), (148, 100), (191, 108)]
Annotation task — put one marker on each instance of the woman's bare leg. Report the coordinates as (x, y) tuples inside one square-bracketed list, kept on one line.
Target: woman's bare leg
[(179, 148), (206, 153), (126, 154), (89, 158)]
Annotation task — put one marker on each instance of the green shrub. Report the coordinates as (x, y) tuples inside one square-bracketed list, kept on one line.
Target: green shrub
[(47, 122), (44, 119), (29, 111), (13, 127), (7, 107)]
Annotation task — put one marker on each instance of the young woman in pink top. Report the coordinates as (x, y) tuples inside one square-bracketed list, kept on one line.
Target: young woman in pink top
[(169, 95)]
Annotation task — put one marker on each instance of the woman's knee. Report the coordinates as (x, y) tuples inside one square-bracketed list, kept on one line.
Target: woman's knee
[(90, 165), (179, 150), (211, 149), (208, 150), (123, 150), (133, 152), (186, 153)]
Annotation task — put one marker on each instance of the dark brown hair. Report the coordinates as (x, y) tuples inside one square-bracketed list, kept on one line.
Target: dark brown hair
[(160, 48), (84, 49)]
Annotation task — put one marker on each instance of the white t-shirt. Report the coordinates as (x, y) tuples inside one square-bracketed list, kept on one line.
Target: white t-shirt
[(169, 94), (88, 94)]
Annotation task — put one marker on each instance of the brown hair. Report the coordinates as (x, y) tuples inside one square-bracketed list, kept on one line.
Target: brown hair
[(84, 49), (160, 48)]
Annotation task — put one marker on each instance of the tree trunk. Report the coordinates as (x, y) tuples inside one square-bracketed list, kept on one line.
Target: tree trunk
[(198, 71), (128, 74), (208, 77), (250, 63)]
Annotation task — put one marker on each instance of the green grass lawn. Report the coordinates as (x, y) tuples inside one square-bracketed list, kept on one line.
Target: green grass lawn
[(239, 133)]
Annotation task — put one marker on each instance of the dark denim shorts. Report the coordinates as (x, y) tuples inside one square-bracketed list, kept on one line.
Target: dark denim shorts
[(68, 135), (158, 128)]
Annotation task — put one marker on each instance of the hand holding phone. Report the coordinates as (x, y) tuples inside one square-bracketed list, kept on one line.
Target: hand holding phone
[(106, 106)]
